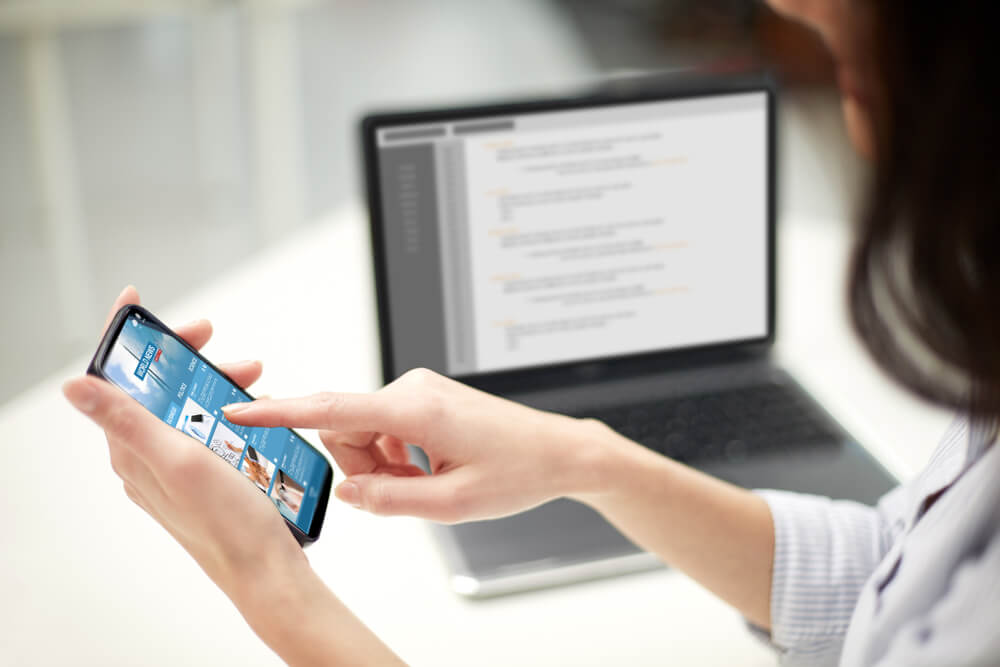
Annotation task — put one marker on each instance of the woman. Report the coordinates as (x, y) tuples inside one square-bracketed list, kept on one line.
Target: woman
[(914, 581)]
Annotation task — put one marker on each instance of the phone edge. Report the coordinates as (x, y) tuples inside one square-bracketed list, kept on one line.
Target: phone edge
[(95, 368)]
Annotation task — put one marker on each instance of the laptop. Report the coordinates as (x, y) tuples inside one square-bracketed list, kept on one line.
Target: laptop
[(612, 256)]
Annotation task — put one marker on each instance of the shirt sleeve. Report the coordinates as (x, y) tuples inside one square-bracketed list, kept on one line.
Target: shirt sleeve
[(824, 552)]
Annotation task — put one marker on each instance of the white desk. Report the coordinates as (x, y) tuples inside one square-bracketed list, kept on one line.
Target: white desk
[(86, 578)]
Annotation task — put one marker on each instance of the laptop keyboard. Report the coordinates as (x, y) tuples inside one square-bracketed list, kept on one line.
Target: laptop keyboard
[(724, 426)]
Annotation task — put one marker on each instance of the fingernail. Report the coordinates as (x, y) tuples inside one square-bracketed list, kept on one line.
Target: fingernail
[(82, 395), (235, 408), (349, 493)]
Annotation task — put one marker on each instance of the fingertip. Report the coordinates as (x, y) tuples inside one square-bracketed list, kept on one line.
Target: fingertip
[(201, 326), (236, 409), (130, 294), (248, 366), (348, 492), (127, 296), (388, 494), (196, 333), (82, 393)]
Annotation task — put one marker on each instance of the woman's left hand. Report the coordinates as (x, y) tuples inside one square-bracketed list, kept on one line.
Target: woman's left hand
[(234, 532), (210, 509)]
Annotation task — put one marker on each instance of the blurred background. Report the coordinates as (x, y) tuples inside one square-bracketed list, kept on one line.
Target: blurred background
[(161, 142)]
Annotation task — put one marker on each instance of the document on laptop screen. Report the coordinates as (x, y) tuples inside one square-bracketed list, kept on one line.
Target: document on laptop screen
[(593, 233)]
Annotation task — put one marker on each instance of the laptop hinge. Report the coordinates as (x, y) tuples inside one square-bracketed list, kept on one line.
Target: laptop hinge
[(554, 377)]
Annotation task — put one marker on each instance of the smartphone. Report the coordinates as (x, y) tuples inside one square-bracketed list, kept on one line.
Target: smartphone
[(173, 381)]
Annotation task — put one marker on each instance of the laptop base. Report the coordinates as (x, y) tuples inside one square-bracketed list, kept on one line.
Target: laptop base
[(563, 541)]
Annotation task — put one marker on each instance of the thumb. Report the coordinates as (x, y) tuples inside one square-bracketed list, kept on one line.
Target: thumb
[(121, 416), (434, 497)]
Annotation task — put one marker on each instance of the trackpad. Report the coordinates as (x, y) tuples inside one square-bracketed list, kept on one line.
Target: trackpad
[(560, 532)]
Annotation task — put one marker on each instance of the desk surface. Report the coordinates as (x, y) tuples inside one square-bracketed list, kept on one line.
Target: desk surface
[(87, 578)]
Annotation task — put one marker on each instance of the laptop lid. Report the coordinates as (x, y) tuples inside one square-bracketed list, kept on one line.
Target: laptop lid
[(547, 241)]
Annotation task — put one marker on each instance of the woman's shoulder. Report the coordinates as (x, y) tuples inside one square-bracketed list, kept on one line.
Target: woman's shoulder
[(934, 599), (960, 627)]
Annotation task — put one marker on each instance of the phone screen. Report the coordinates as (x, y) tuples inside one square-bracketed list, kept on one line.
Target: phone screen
[(177, 386)]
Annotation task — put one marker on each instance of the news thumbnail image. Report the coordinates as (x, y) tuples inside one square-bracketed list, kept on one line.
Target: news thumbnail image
[(287, 495), (196, 421), (258, 468), (227, 444)]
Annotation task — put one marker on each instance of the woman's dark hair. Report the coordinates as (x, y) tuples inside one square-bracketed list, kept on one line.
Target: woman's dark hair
[(924, 278)]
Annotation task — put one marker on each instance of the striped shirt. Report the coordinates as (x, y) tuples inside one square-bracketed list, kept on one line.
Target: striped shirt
[(913, 581)]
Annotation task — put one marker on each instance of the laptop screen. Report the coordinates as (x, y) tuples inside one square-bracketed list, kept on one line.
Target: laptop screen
[(557, 236)]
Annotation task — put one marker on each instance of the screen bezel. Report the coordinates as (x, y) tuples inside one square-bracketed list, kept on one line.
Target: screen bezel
[(605, 367), (96, 368)]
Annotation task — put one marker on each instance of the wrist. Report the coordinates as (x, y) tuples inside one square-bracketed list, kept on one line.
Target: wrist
[(592, 456), (606, 463), (276, 599), (291, 609)]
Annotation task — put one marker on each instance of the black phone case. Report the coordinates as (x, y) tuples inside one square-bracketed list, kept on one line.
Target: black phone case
[(96, 369)]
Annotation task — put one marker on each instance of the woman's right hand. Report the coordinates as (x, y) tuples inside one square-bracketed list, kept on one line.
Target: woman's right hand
[(489, 457)]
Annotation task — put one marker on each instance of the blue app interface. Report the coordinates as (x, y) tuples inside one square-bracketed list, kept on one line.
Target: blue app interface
[(186, 393)]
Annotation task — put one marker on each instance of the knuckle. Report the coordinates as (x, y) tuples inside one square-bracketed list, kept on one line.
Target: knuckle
[(378, 498), (331, 405), (185, 464), (330, 439), (454, 516), (131, 493), (421, 400), (452, 503), (447, 515), (116, 462), (594, 425), (121, 424), (425, 413), (420, 376), (455, 495)]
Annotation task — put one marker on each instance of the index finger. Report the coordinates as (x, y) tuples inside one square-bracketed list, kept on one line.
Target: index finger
[(329, 411)]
